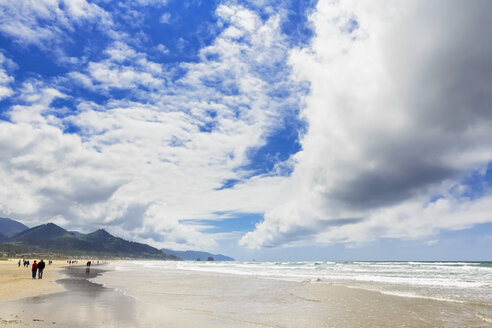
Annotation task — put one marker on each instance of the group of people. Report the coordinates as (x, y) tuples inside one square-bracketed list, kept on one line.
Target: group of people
[(36, 269)]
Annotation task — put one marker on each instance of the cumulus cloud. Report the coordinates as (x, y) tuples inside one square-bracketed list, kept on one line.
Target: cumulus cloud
[(49, 174), (44, 22), (157, 154), (5, 78), (165, 18), (398, 111)]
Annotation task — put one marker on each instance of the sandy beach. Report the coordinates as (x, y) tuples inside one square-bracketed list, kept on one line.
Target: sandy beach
[(245, 301), (16, 282), (105, 297)]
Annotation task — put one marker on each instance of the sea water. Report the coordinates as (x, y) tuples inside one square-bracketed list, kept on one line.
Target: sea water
[(310, 294), (469, 282)]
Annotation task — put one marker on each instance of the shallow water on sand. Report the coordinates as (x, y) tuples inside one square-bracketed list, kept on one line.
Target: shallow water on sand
[(83, 304), (147, 294), (89, 304), (446, 281), (273, 302)]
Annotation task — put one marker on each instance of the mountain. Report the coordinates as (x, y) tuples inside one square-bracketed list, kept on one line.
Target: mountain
[(3, 238), (106, 242), (99, 236), (9, 226), (46, 231), (195, 255), (76, 233), (50, 238)]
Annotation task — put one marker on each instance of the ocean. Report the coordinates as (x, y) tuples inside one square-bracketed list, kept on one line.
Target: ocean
[(446, 281), (411, 294)]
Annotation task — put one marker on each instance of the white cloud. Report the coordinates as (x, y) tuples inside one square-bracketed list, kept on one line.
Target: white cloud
[(165, 18), (141, 166), (432, 242), (152, 2), (5, 78), (41, 22), (162, 48), (397, 112), (236, 15), (123, 68)]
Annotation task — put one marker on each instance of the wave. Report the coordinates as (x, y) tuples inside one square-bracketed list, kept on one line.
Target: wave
[(484, 317), (461, 281)]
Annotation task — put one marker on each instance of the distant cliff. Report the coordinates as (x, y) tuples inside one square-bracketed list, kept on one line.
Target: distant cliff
[(197, 255)]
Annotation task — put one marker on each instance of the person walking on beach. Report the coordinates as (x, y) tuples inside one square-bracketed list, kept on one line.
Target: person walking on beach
[(34, 269), (18, 263), (41, 266)]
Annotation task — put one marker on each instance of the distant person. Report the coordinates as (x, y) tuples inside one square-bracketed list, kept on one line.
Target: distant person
[(18, 264), (49, 262), (41, 266), (88, 264), (34, 269)]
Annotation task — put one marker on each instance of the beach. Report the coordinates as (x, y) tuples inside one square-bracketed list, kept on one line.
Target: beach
[(161, 294), (16, 282)]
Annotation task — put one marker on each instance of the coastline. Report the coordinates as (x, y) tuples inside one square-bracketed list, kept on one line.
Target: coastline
[(251, 301), (115, 296), (88, 304)]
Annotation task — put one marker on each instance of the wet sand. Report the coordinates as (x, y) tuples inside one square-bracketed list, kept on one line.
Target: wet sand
[(189, 299), (81, 304), (87, 304), (257, 302)]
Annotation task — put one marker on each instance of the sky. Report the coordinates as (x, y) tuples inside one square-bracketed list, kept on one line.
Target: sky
[(267, 130)]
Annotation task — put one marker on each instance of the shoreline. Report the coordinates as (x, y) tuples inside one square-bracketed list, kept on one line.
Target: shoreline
[(16, 282), (287, 303), (108, 297)]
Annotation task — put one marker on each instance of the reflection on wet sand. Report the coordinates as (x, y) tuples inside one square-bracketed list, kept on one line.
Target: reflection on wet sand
[(185, 299), (83, 304)]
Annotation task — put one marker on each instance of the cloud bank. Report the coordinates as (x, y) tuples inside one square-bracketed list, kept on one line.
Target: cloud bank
[(398, 114)]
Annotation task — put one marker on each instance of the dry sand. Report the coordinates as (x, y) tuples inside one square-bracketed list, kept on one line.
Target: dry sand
[(16, 282)]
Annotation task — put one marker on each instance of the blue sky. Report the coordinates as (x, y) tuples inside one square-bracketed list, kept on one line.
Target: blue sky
[(258, 129)]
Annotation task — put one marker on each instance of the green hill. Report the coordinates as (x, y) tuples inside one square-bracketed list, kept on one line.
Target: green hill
[(99, 236), (47, 231), (111, 244), (50, 238)]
